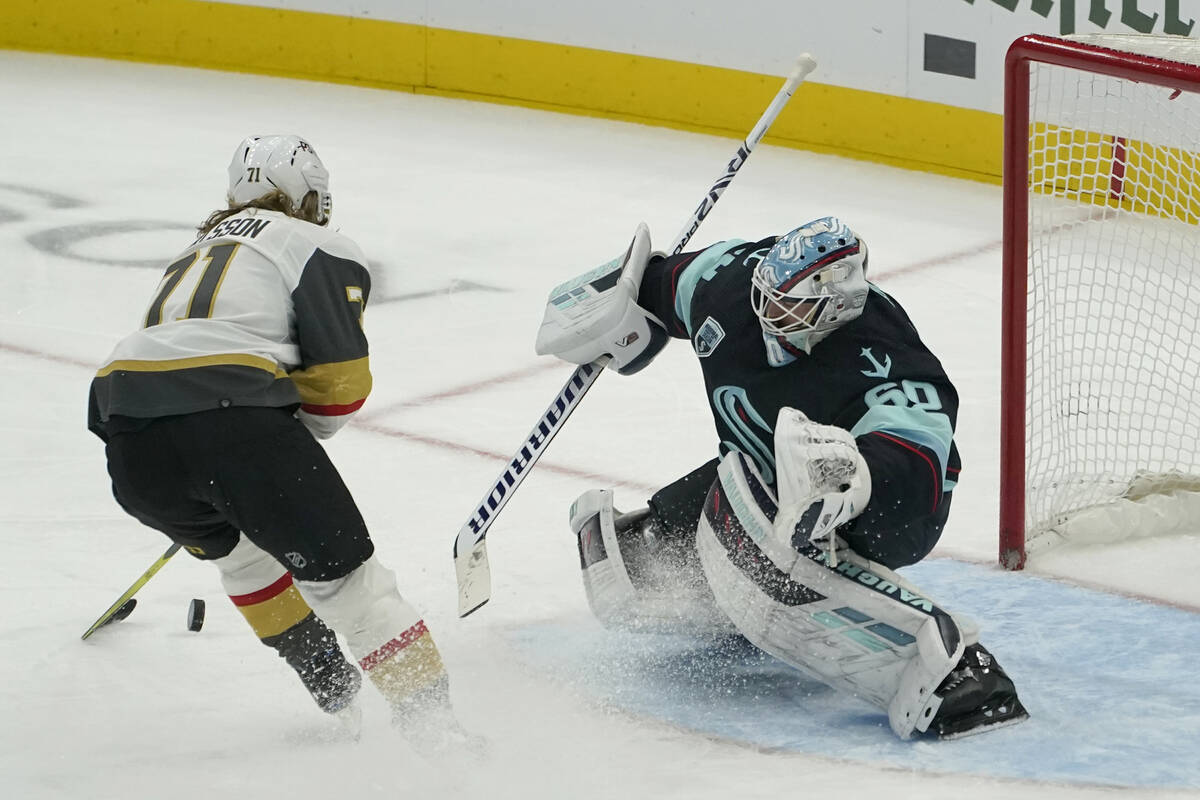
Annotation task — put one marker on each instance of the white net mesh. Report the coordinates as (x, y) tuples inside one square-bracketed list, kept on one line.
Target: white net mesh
[(1113, 340)]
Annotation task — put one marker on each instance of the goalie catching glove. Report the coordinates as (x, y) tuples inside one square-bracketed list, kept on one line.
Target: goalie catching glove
[(597, 315), (824, 482)]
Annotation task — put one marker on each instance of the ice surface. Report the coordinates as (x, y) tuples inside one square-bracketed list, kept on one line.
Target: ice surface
[(470, 213)]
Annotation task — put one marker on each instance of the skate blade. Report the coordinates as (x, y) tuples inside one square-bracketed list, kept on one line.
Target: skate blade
[(986, 725)]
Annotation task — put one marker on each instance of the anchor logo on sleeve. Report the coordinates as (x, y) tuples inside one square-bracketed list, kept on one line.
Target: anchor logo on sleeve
[(880, 370)]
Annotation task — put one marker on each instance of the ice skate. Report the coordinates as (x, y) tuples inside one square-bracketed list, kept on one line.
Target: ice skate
[(332, 681), (427, 720), (977, 696), (415, 684)]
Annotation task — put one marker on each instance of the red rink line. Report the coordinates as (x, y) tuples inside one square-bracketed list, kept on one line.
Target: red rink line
[(430, 441), (545, 365), (500, 458), (25, 351), (367, 422), (938, 261)]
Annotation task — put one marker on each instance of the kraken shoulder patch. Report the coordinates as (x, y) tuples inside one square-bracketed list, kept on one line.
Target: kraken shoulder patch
[(708, 337)]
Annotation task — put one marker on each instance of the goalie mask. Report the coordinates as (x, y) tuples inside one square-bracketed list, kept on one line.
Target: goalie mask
[(263, 165), (812, 282)]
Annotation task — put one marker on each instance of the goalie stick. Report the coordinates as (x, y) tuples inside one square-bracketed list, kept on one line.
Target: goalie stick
[(125, 603), (471, 566)]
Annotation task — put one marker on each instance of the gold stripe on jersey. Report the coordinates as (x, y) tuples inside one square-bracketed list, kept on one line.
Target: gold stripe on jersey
[(336, 388), (172, 364)]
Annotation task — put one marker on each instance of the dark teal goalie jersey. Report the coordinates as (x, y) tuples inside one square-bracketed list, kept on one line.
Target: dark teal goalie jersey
[(873, 377)]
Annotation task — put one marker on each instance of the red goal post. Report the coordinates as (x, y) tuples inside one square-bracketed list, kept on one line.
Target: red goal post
[(1100, 399)]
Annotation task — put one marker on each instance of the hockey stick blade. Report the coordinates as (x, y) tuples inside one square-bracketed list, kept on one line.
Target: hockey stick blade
[(474, 578), (124, 605), (117, 612), (124, 611), (121, 613)]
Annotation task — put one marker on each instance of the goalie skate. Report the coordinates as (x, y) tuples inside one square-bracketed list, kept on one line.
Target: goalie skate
[(977, 696)]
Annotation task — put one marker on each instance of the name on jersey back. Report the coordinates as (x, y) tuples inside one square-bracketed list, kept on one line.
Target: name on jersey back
[(237, 226)]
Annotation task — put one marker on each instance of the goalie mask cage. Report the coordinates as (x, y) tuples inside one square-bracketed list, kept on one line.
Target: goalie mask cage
[(1100, 407)]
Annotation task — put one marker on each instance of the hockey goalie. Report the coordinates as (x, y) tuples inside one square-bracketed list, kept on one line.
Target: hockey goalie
[(836, 466)]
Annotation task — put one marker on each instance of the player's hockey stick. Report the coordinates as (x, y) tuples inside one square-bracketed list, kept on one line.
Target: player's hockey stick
[(470, 547), (125, 603)]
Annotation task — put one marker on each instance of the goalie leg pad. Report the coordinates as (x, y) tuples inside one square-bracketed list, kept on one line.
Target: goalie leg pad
[(848, 626), (634, 583), (606, 581)]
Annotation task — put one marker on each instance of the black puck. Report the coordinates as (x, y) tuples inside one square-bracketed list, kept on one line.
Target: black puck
[(195, 618)]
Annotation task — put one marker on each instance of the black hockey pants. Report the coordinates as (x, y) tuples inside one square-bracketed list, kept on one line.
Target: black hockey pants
[(203, 478)]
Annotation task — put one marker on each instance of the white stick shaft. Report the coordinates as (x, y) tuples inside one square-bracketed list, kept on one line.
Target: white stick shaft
[(522, 462), (804, 65), (470, 550)]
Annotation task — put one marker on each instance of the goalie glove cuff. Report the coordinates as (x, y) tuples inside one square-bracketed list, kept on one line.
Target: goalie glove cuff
[(596, 314)]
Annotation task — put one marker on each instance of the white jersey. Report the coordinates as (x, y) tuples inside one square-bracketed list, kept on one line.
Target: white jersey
[(263, 310)]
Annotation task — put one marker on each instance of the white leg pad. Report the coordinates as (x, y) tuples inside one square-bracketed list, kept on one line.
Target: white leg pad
[(606, 582), (248, 568), (365, 607), (849, 627), (673, 603), (968, 626)]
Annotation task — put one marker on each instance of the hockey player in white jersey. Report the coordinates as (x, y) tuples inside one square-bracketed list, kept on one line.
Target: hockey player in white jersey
[(251, 348)]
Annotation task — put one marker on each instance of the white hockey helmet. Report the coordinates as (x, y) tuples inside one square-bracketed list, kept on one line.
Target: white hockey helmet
[(812, 282), (262, 165)]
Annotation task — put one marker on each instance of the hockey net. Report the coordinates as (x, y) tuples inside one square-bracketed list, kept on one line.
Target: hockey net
[(1101, 364)]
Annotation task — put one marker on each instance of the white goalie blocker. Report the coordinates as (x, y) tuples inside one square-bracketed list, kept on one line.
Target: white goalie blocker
[(596, 314), (848, 622)]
